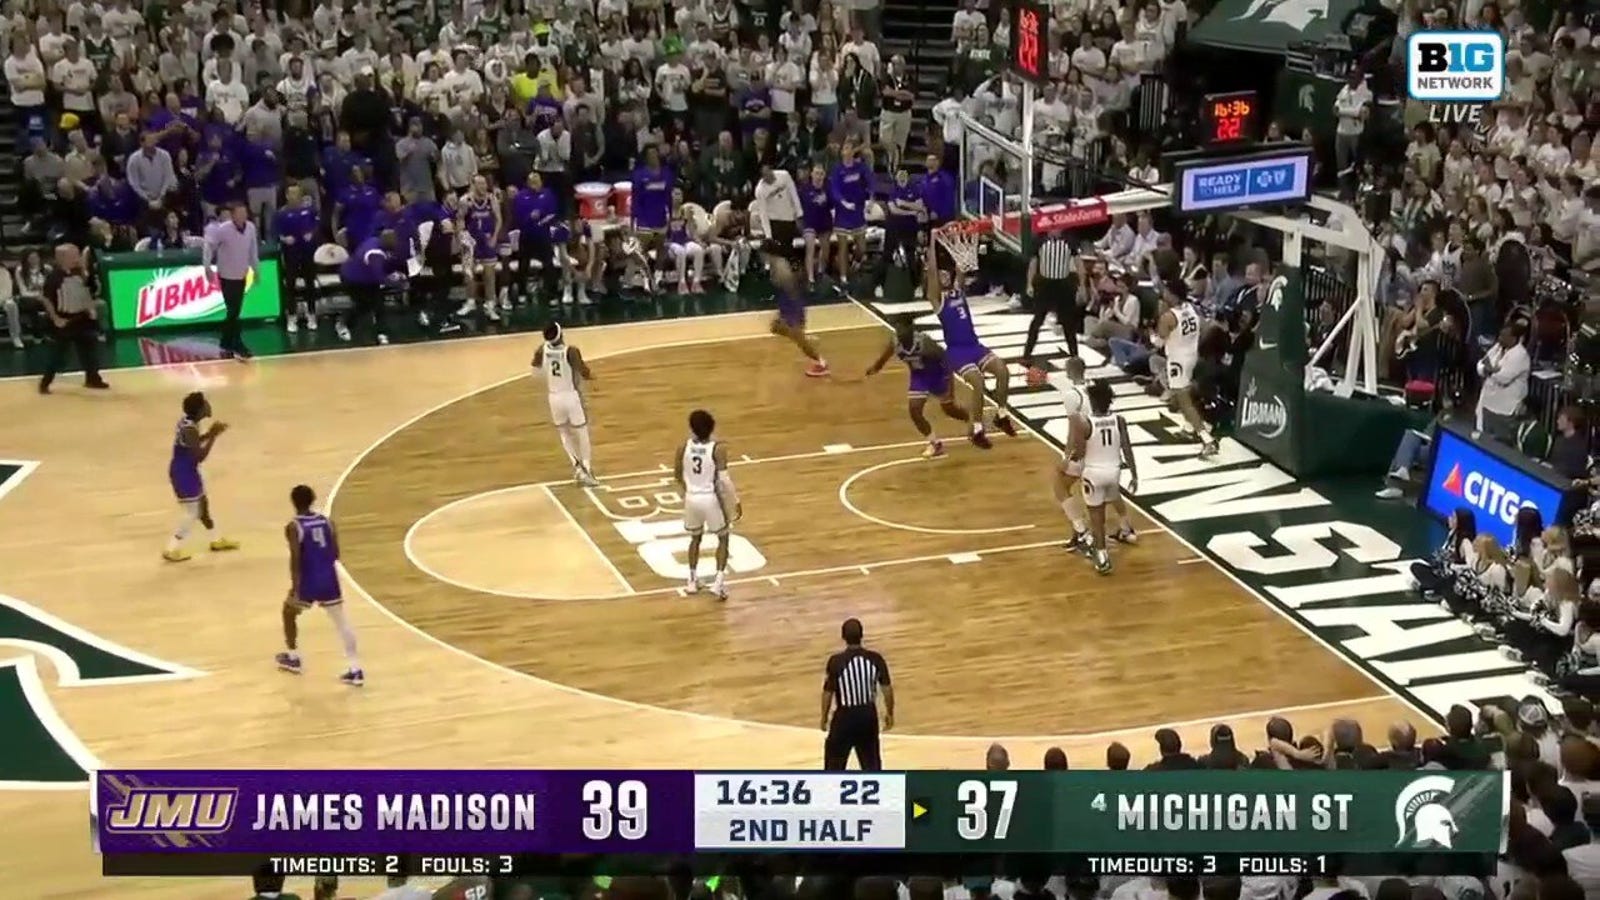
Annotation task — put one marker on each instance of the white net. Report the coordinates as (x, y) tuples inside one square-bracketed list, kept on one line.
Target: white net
[(962, 245)]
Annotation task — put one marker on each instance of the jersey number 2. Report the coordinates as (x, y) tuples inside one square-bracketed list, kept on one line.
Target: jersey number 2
[(555, 368)]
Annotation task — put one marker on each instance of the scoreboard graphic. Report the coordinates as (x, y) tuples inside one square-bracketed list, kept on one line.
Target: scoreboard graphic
[(369, 822)]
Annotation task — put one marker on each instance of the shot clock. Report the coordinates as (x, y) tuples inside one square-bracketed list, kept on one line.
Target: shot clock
[(1228, 119)]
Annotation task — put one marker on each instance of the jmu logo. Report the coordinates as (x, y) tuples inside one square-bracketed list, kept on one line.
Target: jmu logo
[(196, 811), (1420, 815), (181, 295)]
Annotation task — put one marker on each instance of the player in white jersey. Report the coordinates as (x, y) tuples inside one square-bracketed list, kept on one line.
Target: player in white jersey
[(1106, 451), (710, 502), (565, 374), (1178, 336), (1066, 475)]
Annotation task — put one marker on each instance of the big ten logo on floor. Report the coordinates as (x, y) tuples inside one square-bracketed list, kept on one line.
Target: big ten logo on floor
[(649, 516)]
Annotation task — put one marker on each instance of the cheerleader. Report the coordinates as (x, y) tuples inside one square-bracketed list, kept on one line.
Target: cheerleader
[(1550, 552), (1480, 587), (1542, 634), (682, 247), (1579, 669), (1434, 575)]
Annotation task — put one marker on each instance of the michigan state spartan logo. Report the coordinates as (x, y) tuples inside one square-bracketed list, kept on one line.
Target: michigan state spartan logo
[(1421, 816), (41, 750)]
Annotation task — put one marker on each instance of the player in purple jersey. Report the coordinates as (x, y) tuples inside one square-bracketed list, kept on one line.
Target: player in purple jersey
[(190, 447), (682, 248), (964, 353), (851, 182), (817, 208), (928, 377), (481, 223), (790, 322), (314, 581)]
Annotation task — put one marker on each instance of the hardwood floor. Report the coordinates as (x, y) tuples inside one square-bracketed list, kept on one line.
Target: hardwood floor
[(596, 659)]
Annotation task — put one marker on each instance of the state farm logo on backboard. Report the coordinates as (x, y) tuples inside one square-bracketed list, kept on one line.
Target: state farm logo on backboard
[(180, 295), (1064, 216)]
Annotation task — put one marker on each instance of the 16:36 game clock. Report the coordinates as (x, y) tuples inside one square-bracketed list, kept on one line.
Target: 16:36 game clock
[(1227, 119)]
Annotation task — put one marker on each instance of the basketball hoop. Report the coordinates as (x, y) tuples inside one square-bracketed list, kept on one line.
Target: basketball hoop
[(960, 240)]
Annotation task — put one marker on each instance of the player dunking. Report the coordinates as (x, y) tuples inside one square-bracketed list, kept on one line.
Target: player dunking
[(701, 470), (790, 322), (1106, 453), (1178, 333), (929, 376), (190, 448), (314, 581), (964, 353), (565, 373)]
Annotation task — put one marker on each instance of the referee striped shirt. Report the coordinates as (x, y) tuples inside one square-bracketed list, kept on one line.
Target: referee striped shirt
[(1055, 259), (854, 676)]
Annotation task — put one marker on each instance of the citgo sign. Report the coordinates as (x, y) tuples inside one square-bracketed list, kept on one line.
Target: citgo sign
[(1464, 474), (164, 297)]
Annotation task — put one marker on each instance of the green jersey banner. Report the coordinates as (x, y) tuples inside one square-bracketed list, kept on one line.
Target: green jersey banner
[(156, 296), (1208, 811)]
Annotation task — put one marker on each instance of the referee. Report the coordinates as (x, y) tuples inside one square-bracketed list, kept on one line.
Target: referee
[(1053, 287), (855, 676), (73, 312)]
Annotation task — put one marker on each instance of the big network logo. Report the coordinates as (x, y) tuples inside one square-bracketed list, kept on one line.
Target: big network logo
[(1456, 66), (1467, 475)]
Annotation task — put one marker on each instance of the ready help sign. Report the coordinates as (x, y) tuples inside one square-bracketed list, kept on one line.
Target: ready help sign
[(158, 296)]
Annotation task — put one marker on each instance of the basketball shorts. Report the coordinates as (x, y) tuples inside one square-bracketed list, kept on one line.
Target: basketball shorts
[(780, 239), (566, 410), (1180, 372), (1101, 485), (703, 513)]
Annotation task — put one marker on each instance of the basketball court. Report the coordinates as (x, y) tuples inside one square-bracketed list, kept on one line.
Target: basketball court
[(509, 618)]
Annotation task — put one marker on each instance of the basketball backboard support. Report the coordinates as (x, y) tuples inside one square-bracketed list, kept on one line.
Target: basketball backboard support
[(991, 176)]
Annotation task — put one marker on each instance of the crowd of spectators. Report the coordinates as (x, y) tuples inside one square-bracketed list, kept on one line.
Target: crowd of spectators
[(137, 124)]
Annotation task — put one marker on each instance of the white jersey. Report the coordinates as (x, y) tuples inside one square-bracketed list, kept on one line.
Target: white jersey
[(1104, 450), (1183, 342), (1071, 394), (699, 467), (702, 505), (558, 375), (566, 401)]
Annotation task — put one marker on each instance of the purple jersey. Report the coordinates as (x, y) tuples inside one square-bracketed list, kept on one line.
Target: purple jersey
[(480, 215), (652, 197), (852, 188), (319, 555), (963, 350), (928, 376), (678, 231), (184, 469), (817, 207)]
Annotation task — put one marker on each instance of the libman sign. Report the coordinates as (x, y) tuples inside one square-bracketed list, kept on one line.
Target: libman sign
[(144, 297)]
